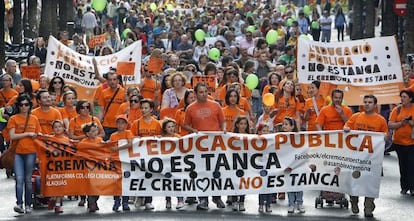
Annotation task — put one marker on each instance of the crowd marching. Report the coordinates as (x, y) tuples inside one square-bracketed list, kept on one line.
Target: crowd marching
[(168, 104)]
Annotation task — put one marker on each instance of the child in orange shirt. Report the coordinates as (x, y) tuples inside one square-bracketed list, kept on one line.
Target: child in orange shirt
[(121, 134), (169, 127)]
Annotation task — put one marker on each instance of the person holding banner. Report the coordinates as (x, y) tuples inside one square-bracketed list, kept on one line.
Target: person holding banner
[(205, 115), (110, 100), (46, 114), (334, 116), (368, 120), (401, 121), (83, 109), (265, 200), (23, 127)]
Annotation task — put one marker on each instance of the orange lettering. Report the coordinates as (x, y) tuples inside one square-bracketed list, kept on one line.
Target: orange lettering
[(280, 139), (230, 143), (348, 141), (327, 141), (293, 140), (218, 143), (198, 143), (315, 140), (366, 144), (263, 143), (152, 147), (165, 144)]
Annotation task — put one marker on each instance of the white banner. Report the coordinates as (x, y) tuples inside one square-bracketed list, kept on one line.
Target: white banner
[(77, 69), (207, 164), (367, 62)]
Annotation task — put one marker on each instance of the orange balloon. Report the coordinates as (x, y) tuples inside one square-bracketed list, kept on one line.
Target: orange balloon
[(268, 99)]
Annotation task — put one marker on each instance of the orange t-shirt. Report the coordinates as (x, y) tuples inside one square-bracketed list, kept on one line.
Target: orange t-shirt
[(367, 122), (142, 128), (132, 114), (25, 144), (329, 119), (206, 116), (148, 87), (6, 96), (75, 124), (287, 108), (67, 113), (110, 114), (244, 92), (230, 114), (46, 118), (320, 102), (402, 135), (116, 136), (179, 119)]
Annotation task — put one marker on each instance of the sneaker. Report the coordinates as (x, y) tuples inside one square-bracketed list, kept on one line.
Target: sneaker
[(202, 206), (139, 202), (180, 204), (241, 207), (18, 208), (51, 204), (281, 196), (191, 200), (168, 204), (116, 206), (411, 192), (149, 206), (58, 209), (404, 192), (291, 209), (28, 209), (81, 203), (235, 206), (125, 207), (368, 212), (301, 208), (260, 209), (220, 204), (354, 207), (229, 201), (93, 207), (268, 209)]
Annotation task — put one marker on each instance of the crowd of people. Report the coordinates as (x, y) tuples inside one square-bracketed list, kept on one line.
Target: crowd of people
[(168, 104)]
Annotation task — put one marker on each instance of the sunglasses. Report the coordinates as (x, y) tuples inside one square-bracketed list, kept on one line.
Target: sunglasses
[(85, 107), (288, 72), (133, 101), (24, 104), (57, 82)]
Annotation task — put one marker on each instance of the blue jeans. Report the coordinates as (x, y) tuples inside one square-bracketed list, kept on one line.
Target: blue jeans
[(265, 198), (295, 197), (23, 168)]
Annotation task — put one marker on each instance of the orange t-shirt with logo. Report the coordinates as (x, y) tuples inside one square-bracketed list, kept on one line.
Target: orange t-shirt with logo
[(110, 114), (329, 118), (142, 128), (67, 113), (286, 108), (25, 144), (6, 96), (179, 119), (132, 114), (148, 88), (206, 116), (46, 118), (75, 124), (230, 114), (320, 102), (124, 135), (402, 135), (367, 122)]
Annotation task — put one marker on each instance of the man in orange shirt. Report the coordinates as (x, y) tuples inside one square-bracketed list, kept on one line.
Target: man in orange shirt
[(46, 114), (333, 117), (368, 120), (205, 115), (110, 100)]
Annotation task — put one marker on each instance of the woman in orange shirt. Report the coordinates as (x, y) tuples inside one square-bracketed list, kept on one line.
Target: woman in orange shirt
[(23, 127), (273, 80), (189, 97), (56, 86), (68, 111), (286, 104), (83, 109), (401, 121), (232, 111), (313, 105)]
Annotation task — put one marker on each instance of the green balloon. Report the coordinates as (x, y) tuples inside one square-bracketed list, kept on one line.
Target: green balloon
[(252, 81), (271, 37), (283, 8), (289, 22), (214, 54), (2, 120), (99, 5), (306, 10), (251, 28), (199, 35), (315, 25), (125, 32), (294, 17)]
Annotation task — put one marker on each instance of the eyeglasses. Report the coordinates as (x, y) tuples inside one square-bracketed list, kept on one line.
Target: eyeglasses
[(289, 72), (24, 104), (85, 107), (57, 82), (5, 79), (133, 101), (192, 70)]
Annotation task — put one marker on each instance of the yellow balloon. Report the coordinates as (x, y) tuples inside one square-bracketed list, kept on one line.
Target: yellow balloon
[(268, 99), (153, 6)]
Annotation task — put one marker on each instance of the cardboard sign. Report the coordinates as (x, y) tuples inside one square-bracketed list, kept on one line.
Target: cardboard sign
[(125, 68), (155, 65), (210, 80), (31, 72), (97, 40)]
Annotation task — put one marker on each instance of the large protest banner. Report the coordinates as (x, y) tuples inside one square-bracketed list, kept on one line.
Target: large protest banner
[(368, 66), (77, 69), (206, 164)]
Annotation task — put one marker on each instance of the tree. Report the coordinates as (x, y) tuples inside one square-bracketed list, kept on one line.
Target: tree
[(389, 19), (48, 24), (2, 49), (357, 29), (409, 29), (32, 19), (17, 23), (369, 21), (65, 13)]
